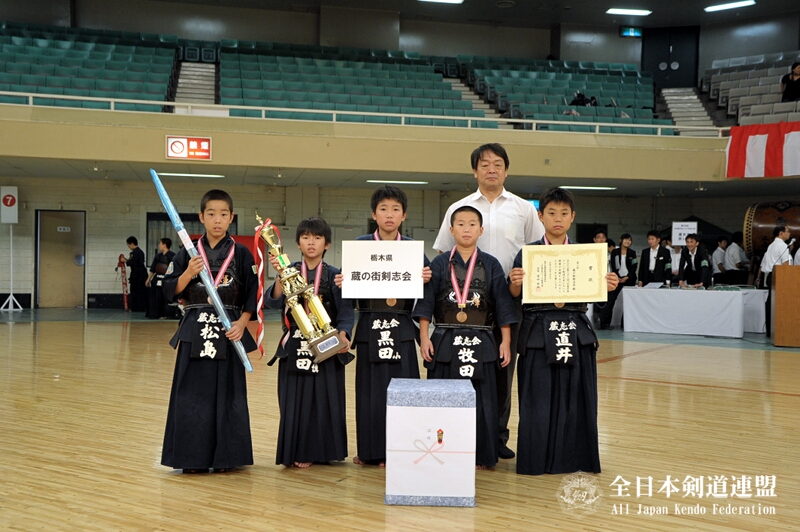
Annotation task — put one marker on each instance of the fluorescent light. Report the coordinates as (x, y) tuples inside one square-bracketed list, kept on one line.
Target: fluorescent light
[(575, 187), (210, 176), (732, 5), (389, 182), (632, 12), (444, 1)]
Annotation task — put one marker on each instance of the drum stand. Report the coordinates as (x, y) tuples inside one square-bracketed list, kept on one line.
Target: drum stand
[(11, 304)]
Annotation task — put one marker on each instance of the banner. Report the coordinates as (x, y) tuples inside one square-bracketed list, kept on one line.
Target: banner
[(764, 150)]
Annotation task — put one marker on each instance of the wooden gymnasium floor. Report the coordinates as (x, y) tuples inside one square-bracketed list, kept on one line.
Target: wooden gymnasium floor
[(83, 400)]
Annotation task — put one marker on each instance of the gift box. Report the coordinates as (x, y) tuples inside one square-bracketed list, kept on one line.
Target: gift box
[(430, 443)]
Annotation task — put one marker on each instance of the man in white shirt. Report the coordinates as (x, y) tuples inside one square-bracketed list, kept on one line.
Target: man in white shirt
[(777, 253), (736, 262), (509, 222), (718, 260)]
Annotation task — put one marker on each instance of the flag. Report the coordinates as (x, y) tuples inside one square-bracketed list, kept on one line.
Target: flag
[(764, 150)]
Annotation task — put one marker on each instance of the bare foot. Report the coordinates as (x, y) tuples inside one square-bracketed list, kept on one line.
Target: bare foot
[(382, 464), (223, 470), (481, 467), (358, 461), (302, 465)]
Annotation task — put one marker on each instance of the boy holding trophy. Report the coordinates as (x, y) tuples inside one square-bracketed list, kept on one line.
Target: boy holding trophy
[(313, 350)]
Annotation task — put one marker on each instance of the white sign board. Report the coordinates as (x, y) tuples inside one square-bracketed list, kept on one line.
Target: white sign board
[(9, 205), (680, 230), (382, 269)]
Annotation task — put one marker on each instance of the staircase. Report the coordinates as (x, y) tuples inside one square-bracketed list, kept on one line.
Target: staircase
[(197, 83), (477, 102), (685, 108)]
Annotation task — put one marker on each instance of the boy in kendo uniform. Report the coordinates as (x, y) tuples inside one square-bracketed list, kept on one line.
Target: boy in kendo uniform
[(208, 422), (466, 295), (311, 396), (557, 369), (375, 366)]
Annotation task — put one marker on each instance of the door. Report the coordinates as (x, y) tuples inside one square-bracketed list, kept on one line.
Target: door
[(60, 259), (671, 55)]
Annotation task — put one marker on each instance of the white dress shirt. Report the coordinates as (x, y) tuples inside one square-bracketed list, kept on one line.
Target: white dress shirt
[(777, 253), (733, 255), (718, 257), (653, 258), (509, 222)]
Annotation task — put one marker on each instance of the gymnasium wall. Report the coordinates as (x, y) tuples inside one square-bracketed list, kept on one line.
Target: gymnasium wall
[(117, 209), (597, 43)]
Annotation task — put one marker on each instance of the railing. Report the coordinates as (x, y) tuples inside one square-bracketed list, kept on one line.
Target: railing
[(336, 116)]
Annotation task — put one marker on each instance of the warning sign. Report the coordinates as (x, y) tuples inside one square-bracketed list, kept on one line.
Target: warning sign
[(192, 148)]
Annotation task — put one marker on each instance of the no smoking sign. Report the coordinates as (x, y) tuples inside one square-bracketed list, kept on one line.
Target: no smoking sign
[(194, 148)]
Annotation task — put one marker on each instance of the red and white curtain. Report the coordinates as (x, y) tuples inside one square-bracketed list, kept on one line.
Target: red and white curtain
[(768, 150)]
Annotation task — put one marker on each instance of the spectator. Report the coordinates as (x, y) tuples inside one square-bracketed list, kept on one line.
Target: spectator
[(655, 266), (736, 262), (694, 270), (790, 84), (138, 271), (623, 263), (718, 260)]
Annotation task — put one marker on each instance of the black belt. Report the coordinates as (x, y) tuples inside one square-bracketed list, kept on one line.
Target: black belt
[(401, 306), (547, 307)]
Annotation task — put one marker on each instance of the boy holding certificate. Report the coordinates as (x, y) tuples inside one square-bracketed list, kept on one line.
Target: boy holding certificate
[(466, 295), (382, 322), (557, 366), (311, 397), (208, 423)]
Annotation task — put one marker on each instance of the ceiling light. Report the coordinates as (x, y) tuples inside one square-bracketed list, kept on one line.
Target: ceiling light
[(732, 5), (210, 176), (631, 12), (575, 187), (390, 182), (444, 1)]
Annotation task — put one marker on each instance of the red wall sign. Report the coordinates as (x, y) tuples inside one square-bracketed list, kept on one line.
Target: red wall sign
[(193, 148)]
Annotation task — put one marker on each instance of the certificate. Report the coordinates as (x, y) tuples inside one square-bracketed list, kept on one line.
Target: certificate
[(573, 273), (382, 269)]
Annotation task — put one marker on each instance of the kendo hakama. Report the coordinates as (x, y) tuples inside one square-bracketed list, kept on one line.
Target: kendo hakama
[(311, 397), (557, 385), (377, 365), (208, 422), (468, 350)]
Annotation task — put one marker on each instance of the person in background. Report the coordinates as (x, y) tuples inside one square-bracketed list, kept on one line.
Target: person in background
[(157, 307), (736, 263), (138, 275), (694, 270), (655, 266), (790, 84), (623, 263), (777, 253), (718, 260)]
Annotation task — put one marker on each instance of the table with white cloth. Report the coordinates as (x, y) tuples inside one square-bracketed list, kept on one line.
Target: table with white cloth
[(693, 312), (755, 317)]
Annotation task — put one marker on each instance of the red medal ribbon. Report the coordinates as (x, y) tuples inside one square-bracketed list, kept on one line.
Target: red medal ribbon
[(461, 297), (376, 236), (201, 250)]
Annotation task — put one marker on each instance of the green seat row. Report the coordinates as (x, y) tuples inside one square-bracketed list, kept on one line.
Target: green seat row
[(231, 59), (84, 74), (239, 83), (305, 89), (310, 71), (55, 82), (345, 99), (22, 67)]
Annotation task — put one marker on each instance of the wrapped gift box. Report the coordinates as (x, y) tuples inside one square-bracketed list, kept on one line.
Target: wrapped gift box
[(430, 443)]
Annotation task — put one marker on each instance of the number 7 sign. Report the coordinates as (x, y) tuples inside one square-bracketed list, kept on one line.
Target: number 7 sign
[(9, 205)]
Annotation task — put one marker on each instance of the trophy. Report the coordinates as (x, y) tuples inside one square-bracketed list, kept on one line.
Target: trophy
[(323, 340)]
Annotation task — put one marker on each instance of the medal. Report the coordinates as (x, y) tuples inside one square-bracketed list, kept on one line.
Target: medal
[(391, 301), (558, 305), (461, 297)]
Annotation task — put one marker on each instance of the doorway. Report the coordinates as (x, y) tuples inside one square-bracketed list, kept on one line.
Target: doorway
[(671, 55), (60, 259)]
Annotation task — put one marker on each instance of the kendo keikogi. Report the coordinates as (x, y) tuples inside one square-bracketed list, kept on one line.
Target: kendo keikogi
[(208, 422)]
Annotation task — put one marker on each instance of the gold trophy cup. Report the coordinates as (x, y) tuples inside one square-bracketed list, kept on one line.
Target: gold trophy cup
[(323, 339)]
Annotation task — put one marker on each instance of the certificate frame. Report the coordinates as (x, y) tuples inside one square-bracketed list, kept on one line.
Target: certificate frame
[(573, 273)]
